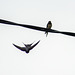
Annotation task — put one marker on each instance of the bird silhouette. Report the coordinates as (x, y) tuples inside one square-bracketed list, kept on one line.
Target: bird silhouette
[(27, 47), (36, 28), (49, 25)]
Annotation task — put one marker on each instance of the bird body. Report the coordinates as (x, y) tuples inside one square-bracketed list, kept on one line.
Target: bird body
[(27, 48), (49, 25)]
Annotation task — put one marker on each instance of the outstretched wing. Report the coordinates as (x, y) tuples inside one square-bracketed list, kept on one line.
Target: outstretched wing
[(21, 48), (34, 45), (36, 28)]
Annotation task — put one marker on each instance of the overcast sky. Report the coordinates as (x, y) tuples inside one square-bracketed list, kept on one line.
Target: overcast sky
[(54, 55)]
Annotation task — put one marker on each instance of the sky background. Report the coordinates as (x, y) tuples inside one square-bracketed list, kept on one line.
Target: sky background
[(54, 55)]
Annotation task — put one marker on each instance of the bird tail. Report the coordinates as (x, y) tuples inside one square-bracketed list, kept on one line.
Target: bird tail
[(46, 33)]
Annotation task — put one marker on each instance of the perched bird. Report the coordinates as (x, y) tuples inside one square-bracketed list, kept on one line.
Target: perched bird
[(27, 47), (49, 25)]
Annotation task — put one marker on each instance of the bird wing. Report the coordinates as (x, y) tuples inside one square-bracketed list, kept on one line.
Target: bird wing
[(21, 48), (34, 45), (36, 28)]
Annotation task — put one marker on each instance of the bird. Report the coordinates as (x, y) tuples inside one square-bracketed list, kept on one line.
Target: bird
[(27, 47), (36, 28), (49, 25)]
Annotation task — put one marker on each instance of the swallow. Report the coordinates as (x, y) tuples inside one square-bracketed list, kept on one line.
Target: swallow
[(49, 25), (27, 47), (37, 28)]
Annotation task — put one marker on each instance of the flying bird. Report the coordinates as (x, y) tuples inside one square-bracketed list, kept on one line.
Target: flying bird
[(49, 25), (27, 47), (36, 28)]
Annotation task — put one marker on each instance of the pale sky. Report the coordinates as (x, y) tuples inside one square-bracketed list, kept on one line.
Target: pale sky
[(54, 55)]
